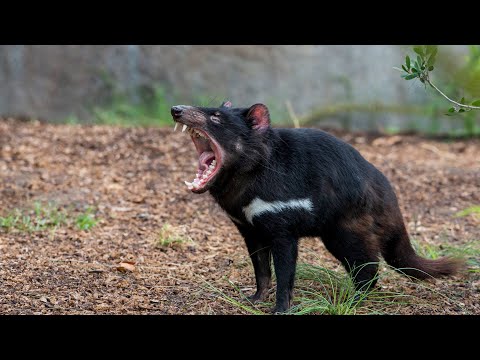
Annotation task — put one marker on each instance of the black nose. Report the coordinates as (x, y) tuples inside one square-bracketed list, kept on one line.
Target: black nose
[(176, 111)]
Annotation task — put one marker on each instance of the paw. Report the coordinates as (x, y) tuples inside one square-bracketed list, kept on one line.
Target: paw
[(279, 310), (258, 297)]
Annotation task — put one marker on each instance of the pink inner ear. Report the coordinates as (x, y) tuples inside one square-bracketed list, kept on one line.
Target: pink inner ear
[(260, 117), (227, 104)]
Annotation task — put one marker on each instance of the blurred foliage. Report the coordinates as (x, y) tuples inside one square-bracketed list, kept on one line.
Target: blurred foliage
[(458, 77), (463, 78), (151, 109)]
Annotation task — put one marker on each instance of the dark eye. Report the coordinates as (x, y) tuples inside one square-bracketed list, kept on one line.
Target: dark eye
[(215, 117)]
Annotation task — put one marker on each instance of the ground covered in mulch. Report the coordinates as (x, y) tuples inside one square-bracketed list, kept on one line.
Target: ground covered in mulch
[(160, 249)]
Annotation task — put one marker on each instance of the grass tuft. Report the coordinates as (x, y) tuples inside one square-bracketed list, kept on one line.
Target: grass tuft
[(469, 252), (86, 220), (320, 291), (170, 236), (468, 211), (45, 217)]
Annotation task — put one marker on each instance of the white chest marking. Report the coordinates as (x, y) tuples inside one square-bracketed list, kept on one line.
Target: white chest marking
[(258, 207)]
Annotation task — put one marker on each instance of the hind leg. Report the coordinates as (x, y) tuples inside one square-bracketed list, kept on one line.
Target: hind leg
[(356, 251)]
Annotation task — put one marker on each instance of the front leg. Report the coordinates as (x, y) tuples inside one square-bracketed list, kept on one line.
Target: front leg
[(260, 254), (284, 251)]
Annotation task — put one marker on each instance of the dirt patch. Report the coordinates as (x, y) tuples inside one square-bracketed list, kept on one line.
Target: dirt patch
[(134, 180)]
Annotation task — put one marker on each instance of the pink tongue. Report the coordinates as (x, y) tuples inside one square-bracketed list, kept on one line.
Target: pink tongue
[(203, 159)]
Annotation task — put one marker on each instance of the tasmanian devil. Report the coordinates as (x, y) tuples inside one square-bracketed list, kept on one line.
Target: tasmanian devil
[(278, 185)]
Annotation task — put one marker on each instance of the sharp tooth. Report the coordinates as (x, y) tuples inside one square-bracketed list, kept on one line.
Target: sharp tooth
[(187, 183), (175, 128), (204, 176), (213, 162), (184, 128)]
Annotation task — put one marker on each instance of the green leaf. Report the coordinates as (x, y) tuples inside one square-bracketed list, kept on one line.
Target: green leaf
[(461, 110), (448, 114), (476, 103), (419, 61), (418, 50), (430, 68), (404, 68), (411, 76), (462, 101), (397, 68), (451, 110), (414, 69), (407, 61)]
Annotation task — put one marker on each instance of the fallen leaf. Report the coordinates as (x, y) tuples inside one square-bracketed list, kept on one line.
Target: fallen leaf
[(96, 271), (126, 266)]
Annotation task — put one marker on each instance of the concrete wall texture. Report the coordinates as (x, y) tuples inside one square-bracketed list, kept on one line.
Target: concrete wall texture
[(55, 81)]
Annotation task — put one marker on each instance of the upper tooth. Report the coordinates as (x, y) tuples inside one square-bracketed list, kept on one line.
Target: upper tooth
[(175, 128), (184, 128)]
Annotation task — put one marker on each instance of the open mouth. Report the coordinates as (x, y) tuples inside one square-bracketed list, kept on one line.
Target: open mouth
[(209, 159)]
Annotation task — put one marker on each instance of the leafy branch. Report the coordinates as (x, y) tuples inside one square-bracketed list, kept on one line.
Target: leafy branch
[(421, 67)]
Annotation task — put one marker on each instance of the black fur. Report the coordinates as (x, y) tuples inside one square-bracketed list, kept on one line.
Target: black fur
[(355, 213)]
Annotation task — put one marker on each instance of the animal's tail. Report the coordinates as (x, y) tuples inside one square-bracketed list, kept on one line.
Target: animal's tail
[(400, 254)]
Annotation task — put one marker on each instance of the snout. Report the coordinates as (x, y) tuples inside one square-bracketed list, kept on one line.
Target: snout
[(177, 111)]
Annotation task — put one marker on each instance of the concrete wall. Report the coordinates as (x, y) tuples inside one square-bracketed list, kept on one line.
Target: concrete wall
[(55, 81)]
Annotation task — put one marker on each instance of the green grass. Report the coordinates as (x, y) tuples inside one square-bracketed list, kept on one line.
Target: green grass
[(170, 236), (45, 216), (470, 252), (426, 250), (321, 291), (86, 220), (468, 211)]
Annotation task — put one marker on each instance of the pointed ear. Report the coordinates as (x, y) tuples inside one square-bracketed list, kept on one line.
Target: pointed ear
[(258, 117), (226, 104)]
